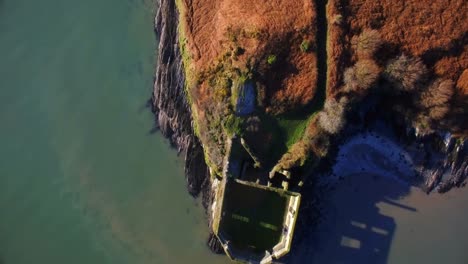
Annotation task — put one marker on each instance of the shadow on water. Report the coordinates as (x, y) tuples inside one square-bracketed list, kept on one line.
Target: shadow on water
[(351, 224), (154, 130), (148, 105), (353, 228)]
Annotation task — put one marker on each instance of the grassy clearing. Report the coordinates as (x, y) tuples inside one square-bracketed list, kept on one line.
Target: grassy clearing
[(293, 129)]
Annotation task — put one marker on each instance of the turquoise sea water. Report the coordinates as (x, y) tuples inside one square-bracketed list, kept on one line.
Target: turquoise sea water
[(83, 181), (81, 178)]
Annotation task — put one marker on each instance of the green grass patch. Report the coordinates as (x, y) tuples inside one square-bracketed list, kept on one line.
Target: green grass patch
[(293, 129), (234, 125), (305, 46), (271, 59)]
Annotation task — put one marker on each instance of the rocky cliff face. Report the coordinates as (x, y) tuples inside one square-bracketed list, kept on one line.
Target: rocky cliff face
[(439, 159), (445, 162), (170, 105), (172, 111)]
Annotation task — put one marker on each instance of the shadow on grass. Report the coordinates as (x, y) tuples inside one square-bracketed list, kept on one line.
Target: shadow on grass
[(275, 145)]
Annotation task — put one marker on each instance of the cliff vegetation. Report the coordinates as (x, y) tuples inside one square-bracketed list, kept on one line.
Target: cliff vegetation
[(288, 76)]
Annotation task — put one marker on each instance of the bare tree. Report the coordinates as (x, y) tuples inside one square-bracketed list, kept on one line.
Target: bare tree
[(439, 92), (361, 76), (422, 123), (366, 43), (405, 72), (437, 97), (320, 144), (331, 118), (438, 112)]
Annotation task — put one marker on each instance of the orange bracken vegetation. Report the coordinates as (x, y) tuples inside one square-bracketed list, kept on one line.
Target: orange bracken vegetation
[(462, 83), (259, 29), (436, 31)]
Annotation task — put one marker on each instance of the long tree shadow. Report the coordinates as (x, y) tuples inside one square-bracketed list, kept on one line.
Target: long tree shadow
[(354, 222), (353, 228), (362, 233)]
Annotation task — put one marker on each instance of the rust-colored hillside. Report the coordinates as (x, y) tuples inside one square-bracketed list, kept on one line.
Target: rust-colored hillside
[(436, 31), (292, 51), (226, 44), (255, 30), (276, 86)]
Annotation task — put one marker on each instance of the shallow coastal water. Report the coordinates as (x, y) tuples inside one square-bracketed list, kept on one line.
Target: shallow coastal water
[(81, 178), (375, 215), (83, 181), (372, 219)]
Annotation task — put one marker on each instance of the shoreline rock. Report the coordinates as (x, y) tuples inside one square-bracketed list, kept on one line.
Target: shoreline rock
[(172, 111), (170, 106), (173, 118)]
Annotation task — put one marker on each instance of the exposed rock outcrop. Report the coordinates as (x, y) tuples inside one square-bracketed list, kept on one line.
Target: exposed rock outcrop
[(214, 244), (455, 164), (170, 105), (172, 111), (441, 159)]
